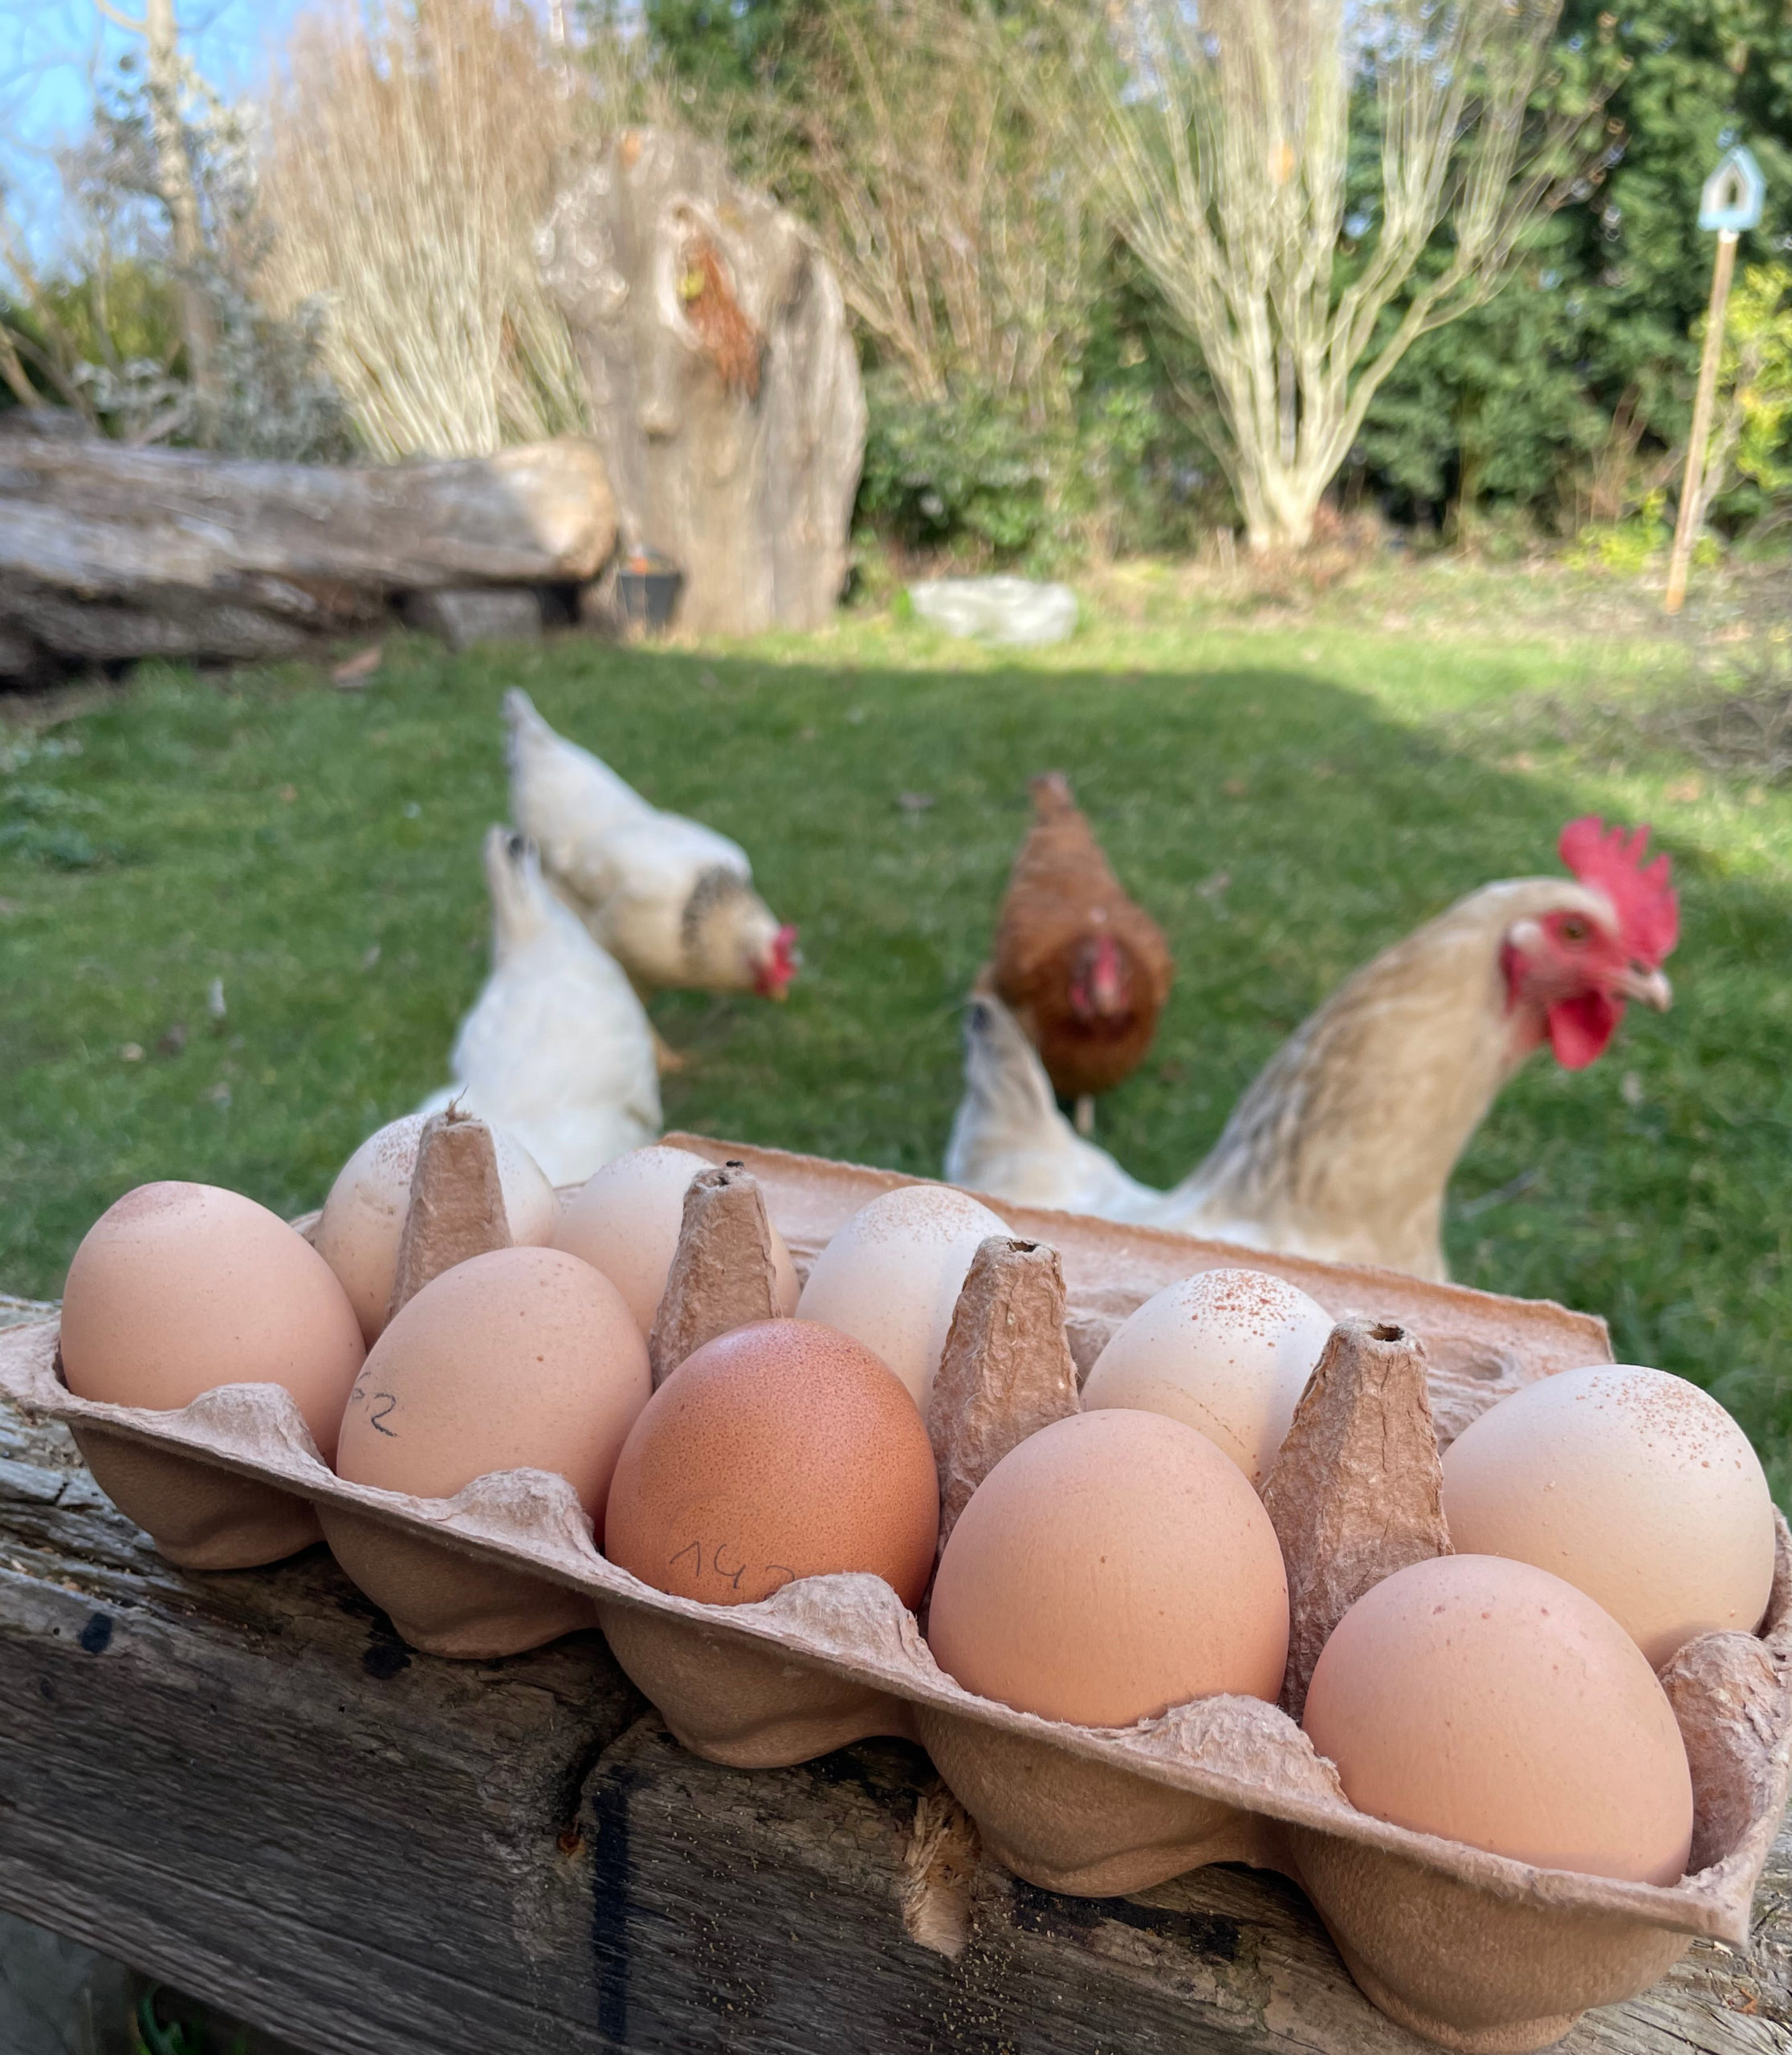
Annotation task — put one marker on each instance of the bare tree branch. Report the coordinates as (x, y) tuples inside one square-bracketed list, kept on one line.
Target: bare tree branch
[(1226, 144)]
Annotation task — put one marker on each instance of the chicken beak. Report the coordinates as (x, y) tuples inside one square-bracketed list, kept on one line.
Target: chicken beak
[(1651, 986)]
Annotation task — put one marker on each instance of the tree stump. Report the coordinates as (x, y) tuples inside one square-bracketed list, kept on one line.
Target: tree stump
[(725, 391)]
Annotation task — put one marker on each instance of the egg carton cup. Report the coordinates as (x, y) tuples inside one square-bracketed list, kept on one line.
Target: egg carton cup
[(1474, 1951)]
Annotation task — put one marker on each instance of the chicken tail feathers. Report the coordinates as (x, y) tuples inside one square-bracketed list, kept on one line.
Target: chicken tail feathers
[(521, 904), (525, 726), (1008, 1104)]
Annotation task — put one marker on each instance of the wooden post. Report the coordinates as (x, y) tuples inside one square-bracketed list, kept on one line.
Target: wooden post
[(1692, 489)]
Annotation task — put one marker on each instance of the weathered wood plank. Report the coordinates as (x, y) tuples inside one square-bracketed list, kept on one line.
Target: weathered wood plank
[(244, 1785), (108, 552)]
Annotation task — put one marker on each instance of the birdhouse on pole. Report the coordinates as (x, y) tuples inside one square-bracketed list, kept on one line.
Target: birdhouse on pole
[(1732, 197), (1729, 203)]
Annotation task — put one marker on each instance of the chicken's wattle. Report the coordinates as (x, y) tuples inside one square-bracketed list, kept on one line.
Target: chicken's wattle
[(1580, 1028)]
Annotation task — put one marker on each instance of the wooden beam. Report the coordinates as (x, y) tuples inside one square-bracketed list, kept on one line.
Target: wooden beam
[(245, 1785)]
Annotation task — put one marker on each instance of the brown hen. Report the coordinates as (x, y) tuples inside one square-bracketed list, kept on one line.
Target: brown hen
[(1084, 969)]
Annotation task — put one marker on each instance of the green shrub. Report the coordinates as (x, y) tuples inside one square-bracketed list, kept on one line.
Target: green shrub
[(965, 468)]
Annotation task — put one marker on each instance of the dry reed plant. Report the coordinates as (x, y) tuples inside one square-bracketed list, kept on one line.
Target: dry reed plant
[(411, 155)]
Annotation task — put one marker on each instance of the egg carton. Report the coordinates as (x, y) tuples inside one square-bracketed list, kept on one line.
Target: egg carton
[(1474, 1951)]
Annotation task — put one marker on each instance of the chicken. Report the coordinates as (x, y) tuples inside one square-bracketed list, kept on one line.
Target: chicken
[(557, 1047), (1083, 969), (1343, 1148), (672, 900)]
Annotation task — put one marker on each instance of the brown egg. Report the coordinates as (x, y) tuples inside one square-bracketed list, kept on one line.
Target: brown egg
[(1634, 1486), (891, 1276), (1492, 1703), (779, 1451), (519, 1359), (1110, 1566), (625, 1221), (363, 1221), (179, 1288)]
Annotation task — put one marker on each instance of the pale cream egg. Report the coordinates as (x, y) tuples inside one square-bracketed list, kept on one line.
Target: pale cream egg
[(891, 1276), (363, 1222), (1635, 1486), (1229, 1352), (624, 1221)]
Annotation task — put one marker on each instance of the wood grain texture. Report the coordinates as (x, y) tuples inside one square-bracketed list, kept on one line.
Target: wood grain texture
[(109, 552), (244, 1784)]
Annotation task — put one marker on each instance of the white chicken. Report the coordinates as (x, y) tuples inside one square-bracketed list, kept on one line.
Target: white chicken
[(671, 900), (557, 1047)]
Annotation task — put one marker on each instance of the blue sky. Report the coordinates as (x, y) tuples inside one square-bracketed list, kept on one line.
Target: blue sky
[(51, 51)]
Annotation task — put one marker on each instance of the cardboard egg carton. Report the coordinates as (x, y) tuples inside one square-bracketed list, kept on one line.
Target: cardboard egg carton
[(1474, 1951)]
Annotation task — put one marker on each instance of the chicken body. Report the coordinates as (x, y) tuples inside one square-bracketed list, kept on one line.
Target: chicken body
[(1082, 967), (557, 1047), (1343, 1148), (671, 900)]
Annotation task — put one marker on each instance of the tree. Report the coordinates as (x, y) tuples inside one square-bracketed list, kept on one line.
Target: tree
[(1577, 379), (164, 76), (1228, 147)]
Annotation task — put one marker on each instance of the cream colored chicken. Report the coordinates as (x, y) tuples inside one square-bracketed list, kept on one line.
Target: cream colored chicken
[(671, 900), (557, 1047), (1343, 1147)]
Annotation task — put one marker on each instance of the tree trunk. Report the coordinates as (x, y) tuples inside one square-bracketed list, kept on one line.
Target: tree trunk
[(108, 553), (1279, 502), (179, 194), (725, 390)]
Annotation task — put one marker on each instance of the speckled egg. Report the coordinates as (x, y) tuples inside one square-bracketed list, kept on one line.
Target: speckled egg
[(1492, 1703), (779, 1450), (1227, 1351), (518, 1359), (363, 1221), (1110, 1566), (1634, 1485), (178, 1288), (625, 1221), (890, 1277)]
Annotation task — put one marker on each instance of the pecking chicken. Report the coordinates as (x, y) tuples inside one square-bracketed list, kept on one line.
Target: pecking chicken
[(672, 900), (1083, 968), (557, 1047), (1343, 1146)]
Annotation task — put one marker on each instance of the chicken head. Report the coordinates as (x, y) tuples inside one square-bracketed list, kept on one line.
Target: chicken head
[(775, 969), (1570, 971)]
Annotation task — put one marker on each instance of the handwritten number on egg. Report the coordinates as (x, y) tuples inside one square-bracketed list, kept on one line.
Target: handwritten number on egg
[(375, 1419), (709, 1561)]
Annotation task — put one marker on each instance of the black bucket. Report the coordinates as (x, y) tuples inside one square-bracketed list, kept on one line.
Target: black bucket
[(649, 586)]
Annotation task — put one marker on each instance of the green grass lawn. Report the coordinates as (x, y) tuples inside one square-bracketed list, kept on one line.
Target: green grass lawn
[(1346, 774)]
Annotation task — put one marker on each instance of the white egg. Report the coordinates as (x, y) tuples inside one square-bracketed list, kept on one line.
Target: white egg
[(363, 1220), (626, 1219), (891, 1276), (1227, 1351)]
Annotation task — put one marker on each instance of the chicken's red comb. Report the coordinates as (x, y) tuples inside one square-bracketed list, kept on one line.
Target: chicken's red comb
[(1611, 862)]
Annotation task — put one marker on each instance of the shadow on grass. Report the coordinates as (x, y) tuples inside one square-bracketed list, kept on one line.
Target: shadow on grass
[(1281, 825)]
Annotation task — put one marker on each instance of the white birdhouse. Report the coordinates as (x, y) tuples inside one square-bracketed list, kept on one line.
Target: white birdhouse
[(1731, 200)]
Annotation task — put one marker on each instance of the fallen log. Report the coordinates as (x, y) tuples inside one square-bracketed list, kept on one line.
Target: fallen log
[(108, 553), (244, 1782)]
